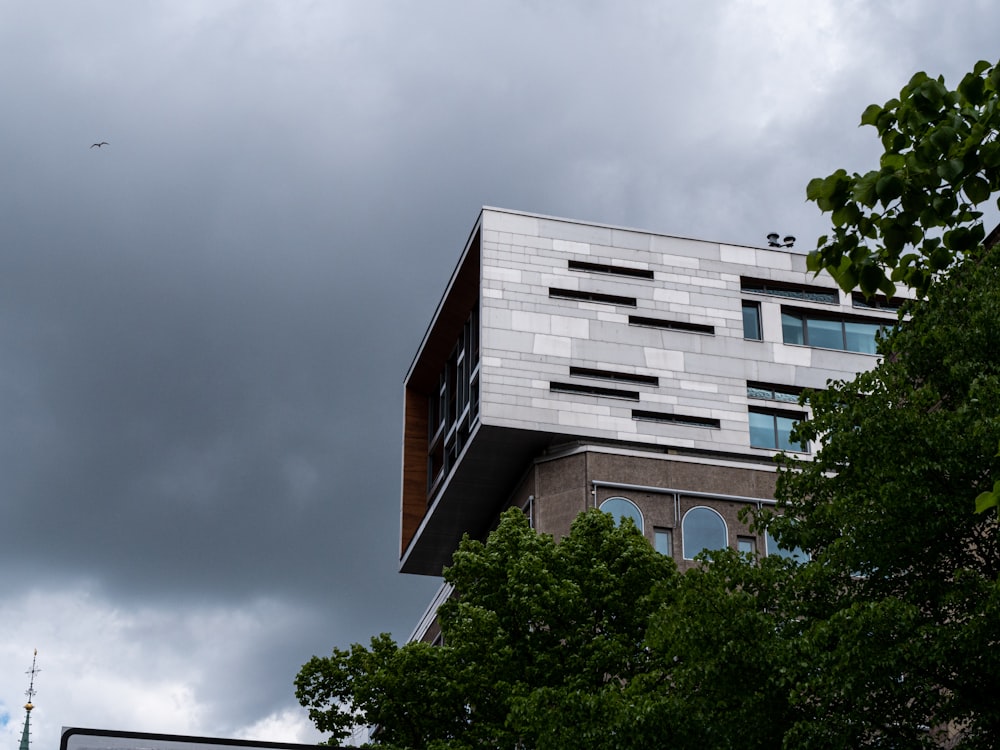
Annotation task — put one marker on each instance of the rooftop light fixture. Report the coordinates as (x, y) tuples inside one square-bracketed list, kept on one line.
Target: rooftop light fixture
[(772, 240)]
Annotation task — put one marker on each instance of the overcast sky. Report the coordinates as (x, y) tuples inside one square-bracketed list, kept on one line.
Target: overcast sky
[(205, 324)]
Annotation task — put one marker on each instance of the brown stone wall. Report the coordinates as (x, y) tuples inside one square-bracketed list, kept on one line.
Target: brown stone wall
[(563, 489), (663, 472), (562, 493)]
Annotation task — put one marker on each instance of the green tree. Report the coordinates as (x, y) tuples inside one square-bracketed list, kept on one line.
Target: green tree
[(540, 645), (593, 642), (918, 213), (900, 599), (725, 650)]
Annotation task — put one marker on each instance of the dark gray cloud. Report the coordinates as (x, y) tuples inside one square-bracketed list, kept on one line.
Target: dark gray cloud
[(205, 324)]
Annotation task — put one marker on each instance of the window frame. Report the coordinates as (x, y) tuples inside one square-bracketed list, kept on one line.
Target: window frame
[(611, 269), (686, 420), (820, 295), (640, 524), (663, 324), (878, 302), (775, 415), (685, 534), (453, 405), (583, 295), (802, 317), (782, 394), (755, 307), (663, 532)]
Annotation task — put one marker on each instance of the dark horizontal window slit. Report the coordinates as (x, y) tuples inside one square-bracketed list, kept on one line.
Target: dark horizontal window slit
[(656, 416), (877, 302), (593, 390), (670, 325), (786, 393), (625, 377), (635, 273), (804, 292), (610, 299)]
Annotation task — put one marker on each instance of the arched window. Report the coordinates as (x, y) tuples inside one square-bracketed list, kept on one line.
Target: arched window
[(620, 507), (701, 529)]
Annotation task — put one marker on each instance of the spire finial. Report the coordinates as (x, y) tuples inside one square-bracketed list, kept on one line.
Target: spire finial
[(30, 692)]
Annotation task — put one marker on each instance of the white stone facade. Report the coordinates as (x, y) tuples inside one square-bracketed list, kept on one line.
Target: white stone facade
[(531, 337)]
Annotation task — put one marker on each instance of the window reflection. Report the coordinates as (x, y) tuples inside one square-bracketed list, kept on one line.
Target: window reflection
[(620, 507), (703, 529)]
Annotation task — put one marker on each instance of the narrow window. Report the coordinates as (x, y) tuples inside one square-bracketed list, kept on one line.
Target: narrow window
[(702, 529), (636, 273), (751, 321), (453, 407), (625, 377), (657, 416), (785, 393), (747, 545), (793, 291), (792, 328), (670, 325), (621, 507), (593, 390), (663, 541), (609, 299), (877, 302)]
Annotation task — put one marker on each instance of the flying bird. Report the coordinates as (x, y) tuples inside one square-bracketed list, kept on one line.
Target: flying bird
[(102, 143)]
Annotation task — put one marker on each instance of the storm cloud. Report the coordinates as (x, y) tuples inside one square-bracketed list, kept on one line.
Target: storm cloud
[(205, 324)]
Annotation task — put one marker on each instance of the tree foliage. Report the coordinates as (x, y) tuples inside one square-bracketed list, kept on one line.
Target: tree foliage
[(724, 660), (594, 642), (539, 645), (901, 593), (918, 213)]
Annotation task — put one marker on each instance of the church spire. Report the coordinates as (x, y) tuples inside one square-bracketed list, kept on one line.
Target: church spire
[(30, 692)]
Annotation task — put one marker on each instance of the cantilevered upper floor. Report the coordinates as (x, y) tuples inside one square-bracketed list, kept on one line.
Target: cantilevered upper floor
[(553, 330)]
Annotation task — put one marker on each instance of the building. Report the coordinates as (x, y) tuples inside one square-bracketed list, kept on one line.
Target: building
[(573, 365)]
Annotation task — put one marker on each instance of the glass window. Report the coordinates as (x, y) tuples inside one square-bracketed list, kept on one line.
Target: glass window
[(828, 334), (860, 337), (878, 302), (747, 544), (783, 433), (453, 409), (789, 397), (663, 541), (702, 529), (620, 507), (788, 394), (751, 321), (791, 328), (800, 327), (772, 430), (762, 430), (793, 291), (773, 548)]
